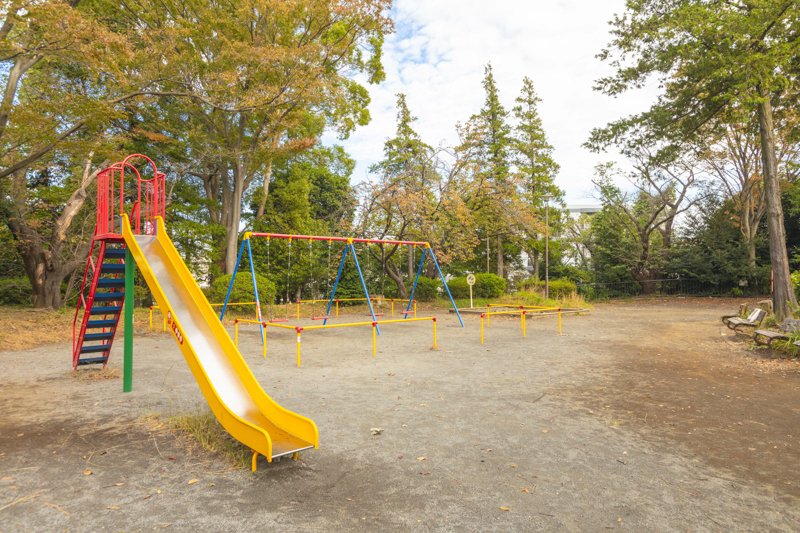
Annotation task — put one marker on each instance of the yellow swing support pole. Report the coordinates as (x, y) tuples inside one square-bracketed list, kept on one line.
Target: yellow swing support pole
[(434, 332), (374, 339), (236, 332)]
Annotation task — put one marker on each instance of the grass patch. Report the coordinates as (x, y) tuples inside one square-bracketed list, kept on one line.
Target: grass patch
[(203, 429), (22, 328)]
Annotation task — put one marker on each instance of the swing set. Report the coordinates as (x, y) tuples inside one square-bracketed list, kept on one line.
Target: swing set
[(349, 249)]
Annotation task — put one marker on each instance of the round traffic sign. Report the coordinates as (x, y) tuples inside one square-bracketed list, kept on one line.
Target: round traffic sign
[(470, 279)]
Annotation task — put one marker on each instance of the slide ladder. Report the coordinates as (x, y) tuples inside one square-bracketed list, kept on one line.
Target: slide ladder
[(99, 303)]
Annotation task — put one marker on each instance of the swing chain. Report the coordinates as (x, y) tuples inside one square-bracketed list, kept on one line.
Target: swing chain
[(288, 268)]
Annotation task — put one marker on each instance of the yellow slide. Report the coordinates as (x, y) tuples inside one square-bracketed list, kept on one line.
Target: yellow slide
[(232, 392)]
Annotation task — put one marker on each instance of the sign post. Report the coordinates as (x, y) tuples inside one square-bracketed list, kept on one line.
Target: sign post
[(470, 282)]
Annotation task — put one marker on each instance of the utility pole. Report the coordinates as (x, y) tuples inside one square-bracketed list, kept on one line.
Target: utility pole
[(546, 247), (487, 252)]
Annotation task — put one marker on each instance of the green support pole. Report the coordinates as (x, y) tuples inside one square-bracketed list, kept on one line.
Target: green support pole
[(127, 369)]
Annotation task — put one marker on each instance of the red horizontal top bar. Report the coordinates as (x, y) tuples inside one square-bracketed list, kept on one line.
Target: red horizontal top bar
[(333, 239)]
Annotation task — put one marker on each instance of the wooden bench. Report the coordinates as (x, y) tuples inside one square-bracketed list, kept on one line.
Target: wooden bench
[(765, 337), (753, 320)]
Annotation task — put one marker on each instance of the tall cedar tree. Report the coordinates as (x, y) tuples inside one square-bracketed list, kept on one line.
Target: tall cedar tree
[(533, 159), (491, 144)]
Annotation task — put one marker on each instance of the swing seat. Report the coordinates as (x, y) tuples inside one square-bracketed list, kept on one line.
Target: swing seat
[(279, 320), (376, 314), (321, 317)]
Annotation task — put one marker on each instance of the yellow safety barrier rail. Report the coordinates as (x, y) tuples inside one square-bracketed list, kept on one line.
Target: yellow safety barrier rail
[(299, 330), (523, 313), (164, 318), (377, 300)]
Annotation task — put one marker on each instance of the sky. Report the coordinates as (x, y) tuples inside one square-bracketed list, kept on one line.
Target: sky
[(437, 57)]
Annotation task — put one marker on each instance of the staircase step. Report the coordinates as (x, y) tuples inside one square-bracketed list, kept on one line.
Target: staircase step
[(109, 296), (101, 324), (105, 310), (98, 336), (96, 348), (111, 282), (115, 253), (112, 267), (92, 360)]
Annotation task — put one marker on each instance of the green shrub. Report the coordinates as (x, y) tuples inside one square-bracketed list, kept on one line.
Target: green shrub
[(458, 287), (559, 287), (15, 291), (486, 286), (489, 286), (242, 289), (427, 289), (795, 277)]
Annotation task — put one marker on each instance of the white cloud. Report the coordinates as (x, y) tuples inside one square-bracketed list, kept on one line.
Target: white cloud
[(437, 58)]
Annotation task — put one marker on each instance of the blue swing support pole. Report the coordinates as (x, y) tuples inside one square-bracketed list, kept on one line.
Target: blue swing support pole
[(444, 283), (350, 248), (416, 279), (425, 252), (364, 286), (336, 284), (233, 278), (245, 241)]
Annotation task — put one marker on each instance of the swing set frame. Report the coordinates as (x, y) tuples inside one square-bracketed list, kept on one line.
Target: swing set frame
[(349, 249)]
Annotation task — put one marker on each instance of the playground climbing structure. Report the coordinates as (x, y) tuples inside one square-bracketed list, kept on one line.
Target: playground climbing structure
[(229, 386)]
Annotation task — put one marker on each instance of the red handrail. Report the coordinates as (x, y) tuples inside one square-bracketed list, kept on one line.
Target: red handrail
[(111, 197)]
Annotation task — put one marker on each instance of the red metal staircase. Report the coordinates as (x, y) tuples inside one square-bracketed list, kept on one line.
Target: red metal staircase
[(102, 293)]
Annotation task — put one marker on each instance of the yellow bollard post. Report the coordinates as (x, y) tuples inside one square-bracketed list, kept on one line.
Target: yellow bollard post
[(481, 328), (392, 308), (264, 340), (236, 332), (434, 332), (151, 318), (374, 340), (299, 331), (337, 308), (559, 322), (524, 325), (415, 309)]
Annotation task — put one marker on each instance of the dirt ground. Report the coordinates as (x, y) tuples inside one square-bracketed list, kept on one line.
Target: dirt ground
[(646, 414)]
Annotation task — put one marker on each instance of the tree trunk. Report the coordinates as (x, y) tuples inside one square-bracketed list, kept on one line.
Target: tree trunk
[(750, 244), (536, 263), (500, 266), (44, 261), (782, 293), (234, 218), (397, 277), (262, 206)]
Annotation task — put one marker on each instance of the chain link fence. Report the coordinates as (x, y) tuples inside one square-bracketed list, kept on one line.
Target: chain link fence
[(666, 287)]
